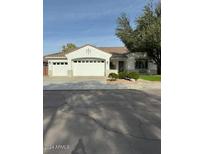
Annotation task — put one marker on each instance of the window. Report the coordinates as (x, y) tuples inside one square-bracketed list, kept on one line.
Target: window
[(66, 63), (79, 61), (91, 61), (83, 61), (141, 64), (112, 65), (62, 63), (86, 61), (75, 61), (102, 61), (58, 63), (94, 61), (54, 63)]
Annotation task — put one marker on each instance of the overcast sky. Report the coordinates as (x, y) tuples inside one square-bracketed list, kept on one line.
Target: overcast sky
[(85, 21)]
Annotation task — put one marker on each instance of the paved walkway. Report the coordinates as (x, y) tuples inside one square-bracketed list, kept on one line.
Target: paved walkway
[(102, 122)]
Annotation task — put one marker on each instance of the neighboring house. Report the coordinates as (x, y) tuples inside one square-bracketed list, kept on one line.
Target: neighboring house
[(89, 60)]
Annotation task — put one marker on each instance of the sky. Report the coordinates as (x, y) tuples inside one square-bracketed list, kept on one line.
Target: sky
[(85, 22)]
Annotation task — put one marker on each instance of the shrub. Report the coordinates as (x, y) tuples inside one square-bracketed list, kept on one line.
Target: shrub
[(113, 76), (133, 75), (123, 75)]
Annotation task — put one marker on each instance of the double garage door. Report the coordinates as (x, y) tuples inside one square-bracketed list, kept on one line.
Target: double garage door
[(86, 67)]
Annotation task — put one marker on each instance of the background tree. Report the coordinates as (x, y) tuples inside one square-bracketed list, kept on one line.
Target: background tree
[(146, 36), (68, 47)]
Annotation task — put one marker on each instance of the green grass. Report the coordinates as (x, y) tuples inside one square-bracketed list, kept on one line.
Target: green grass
[(151, 77)]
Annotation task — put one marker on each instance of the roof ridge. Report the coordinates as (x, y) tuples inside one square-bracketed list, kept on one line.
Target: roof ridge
[(112, 47), (110, 50)]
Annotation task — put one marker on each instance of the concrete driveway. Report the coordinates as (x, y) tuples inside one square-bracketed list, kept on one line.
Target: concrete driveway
[(75, 83), (102, 122), (88, 83)]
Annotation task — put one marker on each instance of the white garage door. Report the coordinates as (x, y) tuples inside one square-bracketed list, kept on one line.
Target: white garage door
[(88, 67), (60, 69)]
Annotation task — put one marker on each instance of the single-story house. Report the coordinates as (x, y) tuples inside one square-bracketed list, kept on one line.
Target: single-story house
[(89, 60)]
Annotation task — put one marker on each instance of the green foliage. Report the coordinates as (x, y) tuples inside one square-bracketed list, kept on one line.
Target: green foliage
[(125, 32), (113, 76), (122, 75), (151, 77), (68, 47), (133, 75), (146, 36)]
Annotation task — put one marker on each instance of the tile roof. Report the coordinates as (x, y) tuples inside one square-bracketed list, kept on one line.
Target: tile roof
[(58, 54), (114, 50), (111, 50)]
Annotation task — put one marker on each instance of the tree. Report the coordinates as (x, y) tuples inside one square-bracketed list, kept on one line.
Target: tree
[(63, 48), (146, 36), (68, 47)]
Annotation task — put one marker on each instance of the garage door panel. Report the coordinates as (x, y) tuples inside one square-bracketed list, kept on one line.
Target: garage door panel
[(89, 68), (59, 70)]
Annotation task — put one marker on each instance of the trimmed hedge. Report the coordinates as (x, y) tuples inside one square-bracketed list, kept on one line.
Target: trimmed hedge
[(123, 75), (113, 76), (133, 75)]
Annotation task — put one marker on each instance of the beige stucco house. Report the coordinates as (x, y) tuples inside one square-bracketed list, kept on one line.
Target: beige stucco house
[(89, 60)]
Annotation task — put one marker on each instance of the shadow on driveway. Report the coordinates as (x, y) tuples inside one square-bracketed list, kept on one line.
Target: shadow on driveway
[(86, 85), (102, 122)]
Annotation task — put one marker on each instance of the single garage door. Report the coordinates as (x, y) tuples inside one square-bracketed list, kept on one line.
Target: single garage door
[(60, 69), (88, 67)]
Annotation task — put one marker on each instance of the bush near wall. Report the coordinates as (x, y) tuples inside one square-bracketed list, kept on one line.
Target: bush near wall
[(128, 75), (113, 76), (122, 75), (133, 75)]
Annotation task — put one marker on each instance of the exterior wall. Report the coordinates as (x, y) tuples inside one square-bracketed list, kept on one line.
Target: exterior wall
[(152, 68), (131, 58), (88, 52), (130, 63), (50, 67)]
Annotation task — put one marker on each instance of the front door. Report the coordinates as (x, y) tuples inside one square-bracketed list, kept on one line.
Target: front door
[(121, 66)]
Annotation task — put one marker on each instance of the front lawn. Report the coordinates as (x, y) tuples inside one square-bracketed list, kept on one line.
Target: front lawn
[(151, 77)]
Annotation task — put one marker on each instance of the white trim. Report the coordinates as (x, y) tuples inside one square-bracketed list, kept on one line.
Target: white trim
[(56, 57)]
